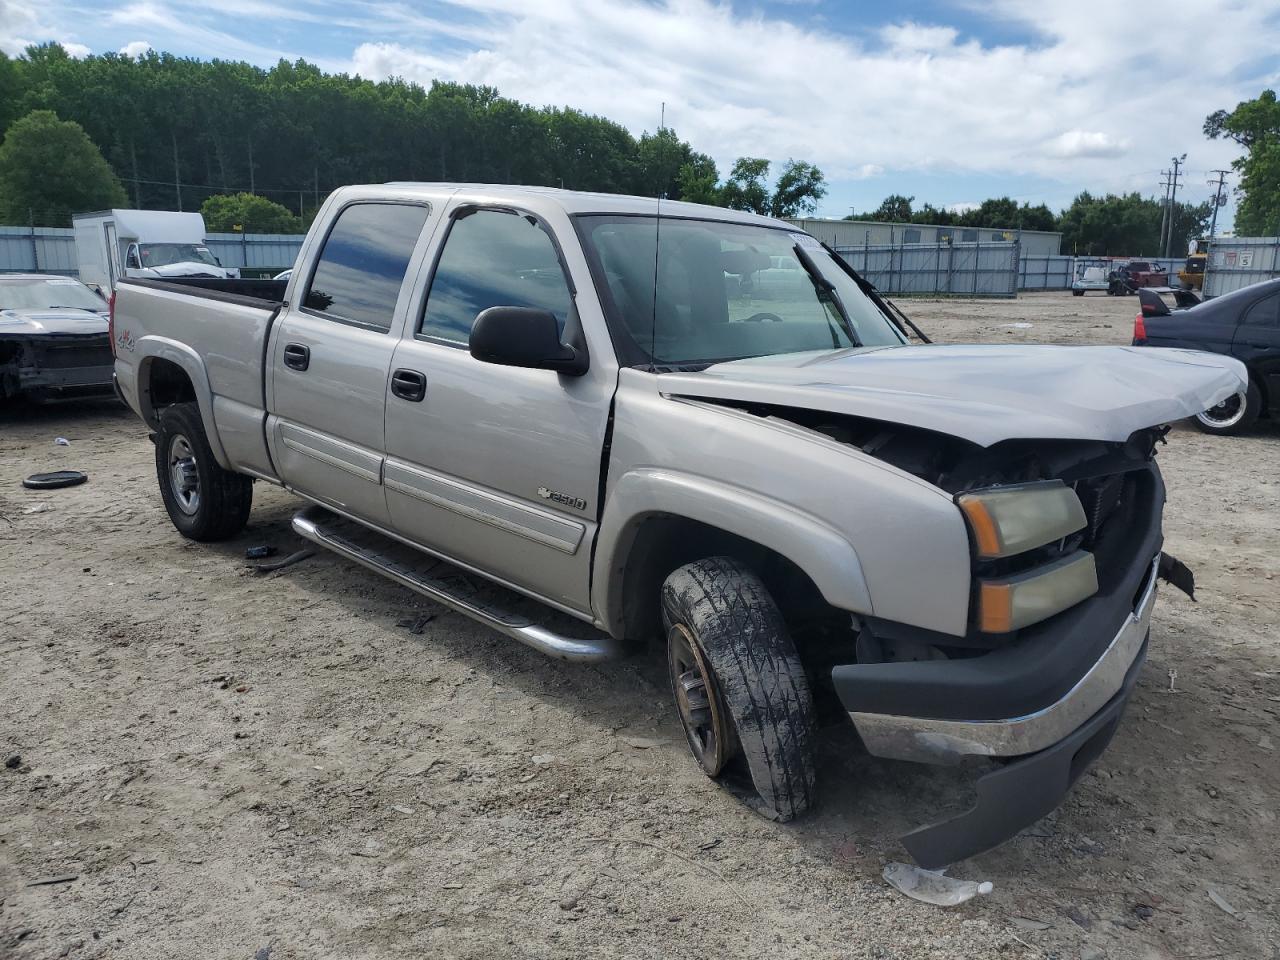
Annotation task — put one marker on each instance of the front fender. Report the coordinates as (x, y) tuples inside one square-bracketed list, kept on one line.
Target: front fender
[(150, 348), (825, 556)]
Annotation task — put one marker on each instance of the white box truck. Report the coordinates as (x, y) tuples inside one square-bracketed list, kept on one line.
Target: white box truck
[(154, 244)]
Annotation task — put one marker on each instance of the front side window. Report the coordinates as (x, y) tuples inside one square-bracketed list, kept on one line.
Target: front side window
[(723, 291), (362, 265), (493, 258)]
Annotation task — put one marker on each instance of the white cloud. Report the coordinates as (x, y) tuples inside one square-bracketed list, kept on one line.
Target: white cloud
[(135, 49), (964, 206), (1087, 143), (918, 97), (23, 23)]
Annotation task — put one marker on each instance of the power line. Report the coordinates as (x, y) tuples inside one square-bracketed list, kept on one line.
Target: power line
[(1164, 207)]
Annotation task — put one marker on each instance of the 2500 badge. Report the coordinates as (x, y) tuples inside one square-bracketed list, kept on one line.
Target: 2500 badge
[(548, 494)]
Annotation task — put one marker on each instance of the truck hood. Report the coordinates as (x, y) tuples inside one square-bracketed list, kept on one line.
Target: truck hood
[(33, 323), (982, 393)]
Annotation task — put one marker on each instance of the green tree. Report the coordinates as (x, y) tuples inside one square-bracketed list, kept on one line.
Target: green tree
[(745, 188), (50, 169), (895, 208), (1254, 125), (248, 213), (698, 182), (1127, 225), (799, 188)]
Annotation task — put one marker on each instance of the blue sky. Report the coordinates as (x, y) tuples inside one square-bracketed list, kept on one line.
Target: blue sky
[(951, 101)]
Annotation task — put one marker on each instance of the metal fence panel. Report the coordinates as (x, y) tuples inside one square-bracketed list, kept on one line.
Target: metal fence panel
[(1236, 262), (53, 250), (955, 269), (1056, 273)]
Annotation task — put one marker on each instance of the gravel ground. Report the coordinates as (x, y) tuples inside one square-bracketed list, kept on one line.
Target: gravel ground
[(316, 763)]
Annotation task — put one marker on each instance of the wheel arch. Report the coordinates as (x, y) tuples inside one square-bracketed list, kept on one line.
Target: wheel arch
[(170, 372), (656, 521)]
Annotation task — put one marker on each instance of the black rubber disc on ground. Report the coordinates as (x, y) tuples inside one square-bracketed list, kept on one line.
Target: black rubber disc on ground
[(52, 481)]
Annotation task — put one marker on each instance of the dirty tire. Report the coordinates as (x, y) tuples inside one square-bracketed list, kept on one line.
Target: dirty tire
[(222, 507), (757, 675), (1234, 415)]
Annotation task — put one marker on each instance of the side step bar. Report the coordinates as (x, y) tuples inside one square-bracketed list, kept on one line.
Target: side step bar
[(316, 524)]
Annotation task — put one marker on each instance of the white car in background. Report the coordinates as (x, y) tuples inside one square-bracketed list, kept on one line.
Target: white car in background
[(1090, 275)]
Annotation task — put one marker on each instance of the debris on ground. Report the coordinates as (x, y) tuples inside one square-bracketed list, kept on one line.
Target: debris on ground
[(36, 508), (933, 886), (1221, 903), (49, 881), (416, 625), (55, 480), (260, 552), (61, 442), (288, 561), (13, 762)]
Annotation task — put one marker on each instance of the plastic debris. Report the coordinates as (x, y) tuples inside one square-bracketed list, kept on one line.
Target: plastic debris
[(932, 886), (259, 553), (62, 441), (1221, 903)]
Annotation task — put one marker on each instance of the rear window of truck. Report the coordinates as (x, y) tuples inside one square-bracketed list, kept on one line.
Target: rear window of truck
[(363, 262)]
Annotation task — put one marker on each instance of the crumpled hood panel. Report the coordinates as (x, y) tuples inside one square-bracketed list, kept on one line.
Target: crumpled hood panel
[(32, 323), (984, 393)]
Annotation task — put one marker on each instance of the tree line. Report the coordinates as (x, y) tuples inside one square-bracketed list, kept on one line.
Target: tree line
[(177, 131), (259, 149)]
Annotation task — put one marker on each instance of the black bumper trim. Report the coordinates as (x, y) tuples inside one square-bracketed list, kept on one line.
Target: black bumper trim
[(1023, 790)]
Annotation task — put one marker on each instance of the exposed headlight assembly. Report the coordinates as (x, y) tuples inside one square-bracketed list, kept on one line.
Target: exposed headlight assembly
[(1010, 520), (1007, 521)]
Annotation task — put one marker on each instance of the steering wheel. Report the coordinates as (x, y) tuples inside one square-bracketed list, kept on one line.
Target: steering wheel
[(757, 317)]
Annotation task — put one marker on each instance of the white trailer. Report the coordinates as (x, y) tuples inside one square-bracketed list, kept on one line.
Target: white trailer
[(156, 244)]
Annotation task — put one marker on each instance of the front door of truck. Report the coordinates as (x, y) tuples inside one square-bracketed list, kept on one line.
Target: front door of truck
[(330, 354), (497, 467)]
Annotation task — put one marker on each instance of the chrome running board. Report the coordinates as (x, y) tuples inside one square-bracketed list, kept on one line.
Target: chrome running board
[(317, 525)]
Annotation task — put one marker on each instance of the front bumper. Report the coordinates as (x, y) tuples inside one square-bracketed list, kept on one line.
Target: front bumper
[(948, 741)]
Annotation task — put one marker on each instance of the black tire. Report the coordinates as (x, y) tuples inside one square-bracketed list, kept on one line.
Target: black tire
[(1077, 293), (205, 502), (1234, 415), (757, 689), (56, 480)]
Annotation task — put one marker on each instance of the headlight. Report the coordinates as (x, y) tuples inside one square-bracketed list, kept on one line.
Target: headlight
[(1010, 603), (1011, 520)]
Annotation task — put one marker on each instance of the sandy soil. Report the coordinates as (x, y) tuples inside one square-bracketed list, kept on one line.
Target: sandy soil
[(316, 763)]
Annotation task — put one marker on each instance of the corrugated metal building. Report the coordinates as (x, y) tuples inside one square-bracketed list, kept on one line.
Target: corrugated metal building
[(849, 234)]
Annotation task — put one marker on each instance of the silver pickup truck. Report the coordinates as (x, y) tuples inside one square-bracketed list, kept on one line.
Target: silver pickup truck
[(700, 427)]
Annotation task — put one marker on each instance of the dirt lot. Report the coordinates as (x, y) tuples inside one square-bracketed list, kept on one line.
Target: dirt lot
[(319, 764)]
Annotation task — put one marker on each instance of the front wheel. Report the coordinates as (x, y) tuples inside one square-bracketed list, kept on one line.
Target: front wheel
[(739, 686), (1234, 414), (204, 501)]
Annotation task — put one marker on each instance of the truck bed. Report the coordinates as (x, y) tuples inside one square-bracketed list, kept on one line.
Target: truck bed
[(218, 331)]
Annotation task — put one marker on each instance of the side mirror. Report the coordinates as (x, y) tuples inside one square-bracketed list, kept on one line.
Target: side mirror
[(524, 337), (132, 260)]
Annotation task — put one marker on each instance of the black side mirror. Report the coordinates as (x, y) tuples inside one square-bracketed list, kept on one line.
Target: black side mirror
[(524, 337)]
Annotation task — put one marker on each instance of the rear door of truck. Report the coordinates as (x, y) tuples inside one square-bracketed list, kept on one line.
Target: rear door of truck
[(331, 353), (495, 466), (1257, 345)]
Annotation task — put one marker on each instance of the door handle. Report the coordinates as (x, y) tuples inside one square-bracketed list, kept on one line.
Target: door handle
[(297, 356), (409, 385)]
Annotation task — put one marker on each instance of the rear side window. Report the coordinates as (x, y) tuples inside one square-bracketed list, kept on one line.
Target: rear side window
[(493, 258), (362, 264), (1264, 313)]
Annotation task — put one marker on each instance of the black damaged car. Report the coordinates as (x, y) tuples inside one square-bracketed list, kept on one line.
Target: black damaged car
[(53, 339)]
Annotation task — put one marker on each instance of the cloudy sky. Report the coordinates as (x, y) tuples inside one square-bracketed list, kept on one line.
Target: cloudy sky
[(947, 100)]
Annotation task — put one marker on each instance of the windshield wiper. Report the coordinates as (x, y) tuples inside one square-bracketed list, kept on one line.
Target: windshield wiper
[(63, 306), (829, 288)]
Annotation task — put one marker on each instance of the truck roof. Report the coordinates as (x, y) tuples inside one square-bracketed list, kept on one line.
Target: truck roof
[(574, 201), (152, 226)]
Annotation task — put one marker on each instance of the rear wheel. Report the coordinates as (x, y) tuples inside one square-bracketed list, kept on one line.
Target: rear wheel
[(738, 683), (1233, 415), (203, 501), (1077, 293)]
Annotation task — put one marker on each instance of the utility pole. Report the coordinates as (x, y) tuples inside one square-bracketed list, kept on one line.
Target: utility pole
[(1164, 207), (1173, 201), (1217, 199)]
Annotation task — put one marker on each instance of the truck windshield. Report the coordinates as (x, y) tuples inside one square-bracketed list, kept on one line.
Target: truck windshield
[(47, 294), (724, 291), (163, 254)]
